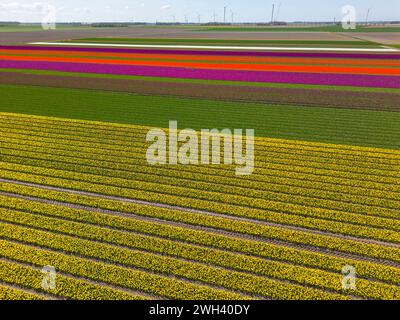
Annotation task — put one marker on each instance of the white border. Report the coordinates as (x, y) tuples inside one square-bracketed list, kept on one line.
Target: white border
[(83, 44)]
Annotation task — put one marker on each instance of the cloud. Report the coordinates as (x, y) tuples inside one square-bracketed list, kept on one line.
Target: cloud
[(166, 7)]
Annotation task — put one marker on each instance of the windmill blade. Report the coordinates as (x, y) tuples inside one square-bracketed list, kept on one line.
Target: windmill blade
[(278, 12)]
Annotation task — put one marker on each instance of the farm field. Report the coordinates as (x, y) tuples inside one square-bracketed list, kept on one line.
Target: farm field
[(326, 28), (37, 28), (74, 200), (78, 194)]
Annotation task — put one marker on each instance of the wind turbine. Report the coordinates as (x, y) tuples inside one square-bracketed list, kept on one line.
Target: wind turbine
[(272, 15), (199, 17), (232, 15), (186, 19), (279, 11), (366, 19), (225, 7)]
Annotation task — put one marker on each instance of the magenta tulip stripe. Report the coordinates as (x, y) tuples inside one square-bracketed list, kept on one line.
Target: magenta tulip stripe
[(330, 69), (214, 53), (209, 74)]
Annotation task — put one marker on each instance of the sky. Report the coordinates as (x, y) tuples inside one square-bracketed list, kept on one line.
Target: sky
[(167, 11)]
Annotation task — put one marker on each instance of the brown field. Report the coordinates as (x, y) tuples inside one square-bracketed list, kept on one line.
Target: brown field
[(380, 37), (242, 35), (169, 32), (305, 97)]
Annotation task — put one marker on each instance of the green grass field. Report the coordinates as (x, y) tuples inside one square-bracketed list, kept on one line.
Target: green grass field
[(290, 122)]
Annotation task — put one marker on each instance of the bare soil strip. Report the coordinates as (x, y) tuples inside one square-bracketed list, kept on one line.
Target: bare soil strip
[(293, 96)]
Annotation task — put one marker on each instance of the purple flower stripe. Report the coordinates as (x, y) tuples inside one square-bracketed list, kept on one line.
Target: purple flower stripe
[(208, 74), (213, 53)]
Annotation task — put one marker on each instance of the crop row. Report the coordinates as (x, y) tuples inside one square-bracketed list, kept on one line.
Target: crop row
[(207, 274), (267, 181), (294, 120), (136, 131), (179, 249), (226, 209), (109, 273), (287, 148), (263, 158), (66, 286), (7, 293), (250, 63), (364, 155), (271, 156), (363, 174), (220, 223), (86, 169), (100, 128), (213, 240), (130, 154), (307, 222), (287, 165), (212, 175), (301, 275), (112, 112), (205, 238), (273, 153), (186, 237)]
